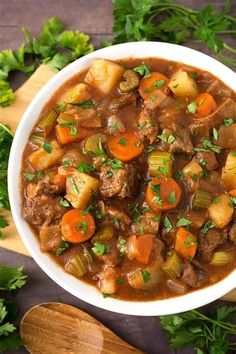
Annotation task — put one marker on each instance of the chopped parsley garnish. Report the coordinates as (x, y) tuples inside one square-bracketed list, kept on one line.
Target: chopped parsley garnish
[(64, 203), (202, 162), (66, 163), (172, 197), (72, 126), (47, 146), (85, 167), (41, 174), (121, 245), (100, 248), (156, 189), (153, 97), (159, 83), (146, 275), (183, 222), (178, 174), (169, 140), (105, 295), (143, 70), (215, 134), (208, 225), (116, 222), (209, 145), (89, 209), (150, 148), (62, 247), (73, 185), (120, 281), (190, 241), (228, 122), (28, 176), (83, 105), (162, 170), (136, 209), (167, 224), (122, 141), (114, 164), (192, 107), (83, 227), (109, 174)]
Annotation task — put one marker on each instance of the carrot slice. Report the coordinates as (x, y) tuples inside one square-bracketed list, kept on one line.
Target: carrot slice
[(144, 245), (185, 243), (232, 193), (163, 193), (76, 226), (205, 103), (155, 81), (125, 146), (64, 134)]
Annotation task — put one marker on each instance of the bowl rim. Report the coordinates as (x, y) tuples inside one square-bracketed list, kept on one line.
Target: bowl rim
[(76, 287)]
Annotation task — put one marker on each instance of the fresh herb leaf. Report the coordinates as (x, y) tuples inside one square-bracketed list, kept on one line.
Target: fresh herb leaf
[(208, 225), (121, 246), (100, 248), (167, 224), (120, 281), (159, 83), (11, 278), (146, 275), (64, 203), (83, 105), (3, 224), (183, 222), (143, 70), (122, 141), (192, 107), (83, 227), (228, 122), (62, 247), (215, 134), (172, 197), (28, 176), (85, 167), (47, 146)]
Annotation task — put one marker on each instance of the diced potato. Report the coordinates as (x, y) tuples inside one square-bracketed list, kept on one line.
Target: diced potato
[(182, 85), (229, 171), (193, 170), (40, 159), (79, 189), (146, 278), (104, 75), (73, 157), (221, 211), (78, 93)]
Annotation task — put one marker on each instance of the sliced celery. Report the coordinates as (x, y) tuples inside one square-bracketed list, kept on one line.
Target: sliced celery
[(220, 258), (173, 266), (160, 164), (104, 234), (77, 266), (201, 199), (48, 122)]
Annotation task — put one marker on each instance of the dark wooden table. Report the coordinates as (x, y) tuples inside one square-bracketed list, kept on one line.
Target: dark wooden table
[(95, 18)]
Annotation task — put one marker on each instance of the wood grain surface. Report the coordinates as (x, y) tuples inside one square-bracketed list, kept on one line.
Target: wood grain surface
[(54, 327), (95, 18)]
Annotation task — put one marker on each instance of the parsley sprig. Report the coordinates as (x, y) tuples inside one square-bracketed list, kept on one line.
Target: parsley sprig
[(209, 333), (168, 21)]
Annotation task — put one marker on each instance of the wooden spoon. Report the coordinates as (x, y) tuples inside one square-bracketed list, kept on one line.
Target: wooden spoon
[(55, 328)]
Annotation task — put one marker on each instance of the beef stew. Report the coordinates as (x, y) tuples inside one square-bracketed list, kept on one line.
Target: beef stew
[(129, 178)]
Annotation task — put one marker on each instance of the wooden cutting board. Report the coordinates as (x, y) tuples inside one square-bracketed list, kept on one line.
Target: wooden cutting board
[(11, 115)]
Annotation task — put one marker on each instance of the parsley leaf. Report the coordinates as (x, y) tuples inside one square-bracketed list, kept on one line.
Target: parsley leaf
[(192, 107), (145, 275), (83, 105), (183, 222), (100, 248), (62, 247), (47, 146), (228, 122), (143, 70), (167, 224), (83, 227), (85, 167)]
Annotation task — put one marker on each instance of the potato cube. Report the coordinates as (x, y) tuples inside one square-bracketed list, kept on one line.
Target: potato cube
[(104, 75), (41, 159), (78, 93), (182, 85), (79, 189), (221, 211)]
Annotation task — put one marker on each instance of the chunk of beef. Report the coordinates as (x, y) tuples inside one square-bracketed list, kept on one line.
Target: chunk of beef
[(210, 159), (208, 242), (148, 223), (50, 238), (232, 234), (182, 143), (121, 182), (112, 258), (42, 210), (193, 275), (189, 185), (147, 126), (120, 216), (43, 187), (121, 101), (227, 108)]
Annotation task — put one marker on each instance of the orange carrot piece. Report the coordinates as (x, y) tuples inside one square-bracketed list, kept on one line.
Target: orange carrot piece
[(64, 134), (185, 243), (205, 103), (144, 245), (125, 146), (155, 81), (163, 193), (232, 192), (76, 226)]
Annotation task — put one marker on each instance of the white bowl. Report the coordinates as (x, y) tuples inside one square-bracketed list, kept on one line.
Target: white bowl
[(74, 286)]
